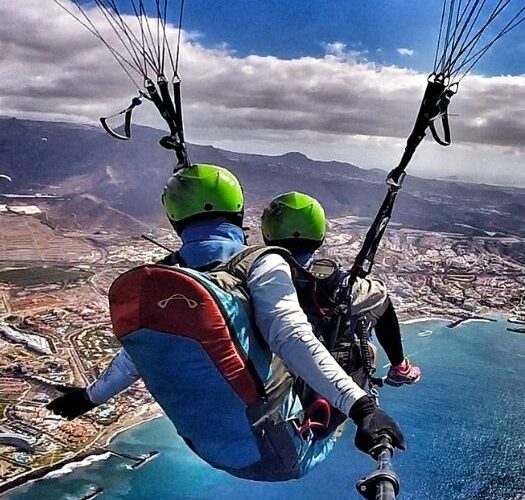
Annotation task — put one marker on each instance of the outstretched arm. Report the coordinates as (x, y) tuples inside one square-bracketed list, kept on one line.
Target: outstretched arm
[(117, 376)]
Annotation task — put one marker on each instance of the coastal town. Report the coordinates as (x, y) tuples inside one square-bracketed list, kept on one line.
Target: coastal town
[(55, 330), (441, 274)]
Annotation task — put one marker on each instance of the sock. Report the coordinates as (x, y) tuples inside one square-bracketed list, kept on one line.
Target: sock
[(402, 367)]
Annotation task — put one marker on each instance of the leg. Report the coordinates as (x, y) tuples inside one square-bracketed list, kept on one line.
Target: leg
[(388, 334)]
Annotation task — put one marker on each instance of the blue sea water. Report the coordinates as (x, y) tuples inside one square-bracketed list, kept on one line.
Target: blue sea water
[(464, 423)]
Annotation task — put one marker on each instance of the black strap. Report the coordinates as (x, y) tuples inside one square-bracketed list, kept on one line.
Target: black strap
[(442, 106), (127, 121), (178, 107), (433, 105), (172, 114), (240, 264), (169, 109), (157, 99)]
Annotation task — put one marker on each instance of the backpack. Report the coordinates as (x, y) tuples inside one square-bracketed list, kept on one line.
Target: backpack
[(193, 339)]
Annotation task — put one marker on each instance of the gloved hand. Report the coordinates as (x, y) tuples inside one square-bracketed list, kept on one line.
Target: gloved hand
[(372, 423), (72, 404)]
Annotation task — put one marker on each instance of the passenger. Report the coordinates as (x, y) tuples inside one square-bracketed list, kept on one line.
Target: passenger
[(297, 222)]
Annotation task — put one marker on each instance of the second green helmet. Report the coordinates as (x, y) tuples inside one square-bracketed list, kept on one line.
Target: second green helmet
[(202, 189), (294, 216)]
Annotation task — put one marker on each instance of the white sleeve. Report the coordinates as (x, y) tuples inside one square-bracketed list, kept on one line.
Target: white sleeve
[(285, 327), (116, 377)]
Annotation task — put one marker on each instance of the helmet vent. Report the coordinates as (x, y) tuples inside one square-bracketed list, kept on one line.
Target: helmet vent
[(296, 234), (208, 207)]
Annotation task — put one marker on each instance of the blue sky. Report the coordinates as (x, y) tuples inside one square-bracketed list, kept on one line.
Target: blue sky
[(293, 28)]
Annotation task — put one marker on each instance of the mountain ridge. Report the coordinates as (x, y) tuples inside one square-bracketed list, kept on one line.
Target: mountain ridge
[(76, 159)]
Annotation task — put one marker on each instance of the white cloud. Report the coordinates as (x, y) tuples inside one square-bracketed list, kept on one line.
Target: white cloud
[(406, 52), (338, 106), (337, 49), (340, 51)]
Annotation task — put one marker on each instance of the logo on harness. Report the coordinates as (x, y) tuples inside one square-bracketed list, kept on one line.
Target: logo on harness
[(192, 304)]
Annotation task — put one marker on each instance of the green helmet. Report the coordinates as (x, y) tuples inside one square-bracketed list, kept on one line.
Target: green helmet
[(202, 190), (294, 217)]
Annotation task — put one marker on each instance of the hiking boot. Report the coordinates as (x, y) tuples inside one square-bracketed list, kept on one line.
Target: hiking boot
[(405, 373)]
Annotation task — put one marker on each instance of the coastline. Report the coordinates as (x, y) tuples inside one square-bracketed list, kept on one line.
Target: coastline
[(125, 428), (453, 323), (82, 459), (470, 319), (42, 472), (422, 319)]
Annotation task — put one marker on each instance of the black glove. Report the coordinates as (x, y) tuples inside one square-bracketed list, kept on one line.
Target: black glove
[(72, 404), (372, 423)]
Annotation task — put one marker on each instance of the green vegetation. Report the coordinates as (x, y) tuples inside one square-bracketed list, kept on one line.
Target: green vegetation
[(100, 334), (44, 275)]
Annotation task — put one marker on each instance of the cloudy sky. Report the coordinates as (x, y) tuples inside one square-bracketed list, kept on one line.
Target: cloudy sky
[(334, 79)]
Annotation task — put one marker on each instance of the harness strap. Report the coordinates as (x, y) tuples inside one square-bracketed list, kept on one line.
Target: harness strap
[(323, 312), (167, 103), (241, 263), (177, 143), (159, 104), (178, 108)]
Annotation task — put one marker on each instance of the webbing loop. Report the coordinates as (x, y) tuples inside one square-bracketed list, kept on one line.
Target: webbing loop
[(316, 419), (136, 101)]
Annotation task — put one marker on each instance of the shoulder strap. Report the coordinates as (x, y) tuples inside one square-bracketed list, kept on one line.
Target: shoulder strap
[(241, 263)]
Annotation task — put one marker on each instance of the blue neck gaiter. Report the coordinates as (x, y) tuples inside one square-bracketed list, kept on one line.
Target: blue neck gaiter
[(208, 243)]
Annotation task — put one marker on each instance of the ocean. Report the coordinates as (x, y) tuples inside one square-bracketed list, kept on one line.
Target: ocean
[(464, 424)]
